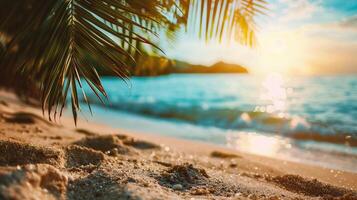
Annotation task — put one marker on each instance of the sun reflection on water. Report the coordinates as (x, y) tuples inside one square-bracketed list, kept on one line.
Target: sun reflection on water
[(274, 93), (257, 143)]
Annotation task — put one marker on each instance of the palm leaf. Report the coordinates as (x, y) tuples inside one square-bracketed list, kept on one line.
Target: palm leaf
[(60, 43), (226, 19), (62, 35)]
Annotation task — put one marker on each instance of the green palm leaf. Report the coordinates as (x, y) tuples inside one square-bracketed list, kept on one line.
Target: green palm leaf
[(60, 43), (230, 19)]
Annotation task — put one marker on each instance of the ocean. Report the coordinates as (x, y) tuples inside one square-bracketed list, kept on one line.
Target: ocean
[(310, 119)]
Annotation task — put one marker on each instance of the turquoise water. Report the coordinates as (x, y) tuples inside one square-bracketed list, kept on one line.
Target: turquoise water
[(241, 111), (319, 105)]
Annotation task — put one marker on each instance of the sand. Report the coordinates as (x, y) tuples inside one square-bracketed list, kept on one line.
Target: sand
[(44, 160)]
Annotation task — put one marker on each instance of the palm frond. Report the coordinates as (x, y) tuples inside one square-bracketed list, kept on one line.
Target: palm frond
[(229, 19), (60, 44), (61, 35)]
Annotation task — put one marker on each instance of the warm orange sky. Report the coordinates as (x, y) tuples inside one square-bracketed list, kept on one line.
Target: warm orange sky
[(298, 37)]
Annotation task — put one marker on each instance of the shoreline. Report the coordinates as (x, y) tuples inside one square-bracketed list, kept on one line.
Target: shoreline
[(328, 155), (94, 159)]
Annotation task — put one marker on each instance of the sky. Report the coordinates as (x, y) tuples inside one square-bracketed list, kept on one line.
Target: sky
[(296, 37)]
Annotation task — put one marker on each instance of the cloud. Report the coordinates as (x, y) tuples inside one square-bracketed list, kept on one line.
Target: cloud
[(316, 39), (350, 22), (302, 36), (343, 30), (295, 10), (332, 57)]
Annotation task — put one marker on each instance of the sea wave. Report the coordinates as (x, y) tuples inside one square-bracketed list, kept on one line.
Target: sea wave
[(235, 119)]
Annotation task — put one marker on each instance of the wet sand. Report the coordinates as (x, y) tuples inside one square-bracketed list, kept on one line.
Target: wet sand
[(43, 160)]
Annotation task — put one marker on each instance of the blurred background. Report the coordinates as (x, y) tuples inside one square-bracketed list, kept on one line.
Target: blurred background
[(292, 96)]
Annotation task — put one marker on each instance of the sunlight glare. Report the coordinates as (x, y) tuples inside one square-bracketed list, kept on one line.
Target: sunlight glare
[(282, 52), (274, 93), (257, 143)]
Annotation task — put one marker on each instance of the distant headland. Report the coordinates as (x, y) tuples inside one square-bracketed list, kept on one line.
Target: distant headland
[(156, 66)]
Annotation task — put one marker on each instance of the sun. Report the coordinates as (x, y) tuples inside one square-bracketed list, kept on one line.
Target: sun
[(282, 52)]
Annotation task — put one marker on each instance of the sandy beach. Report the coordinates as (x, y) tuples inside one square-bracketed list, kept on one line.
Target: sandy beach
[(44, 160)]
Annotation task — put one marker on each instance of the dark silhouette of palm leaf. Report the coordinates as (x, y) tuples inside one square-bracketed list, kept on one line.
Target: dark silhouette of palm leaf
[(61, 43)]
